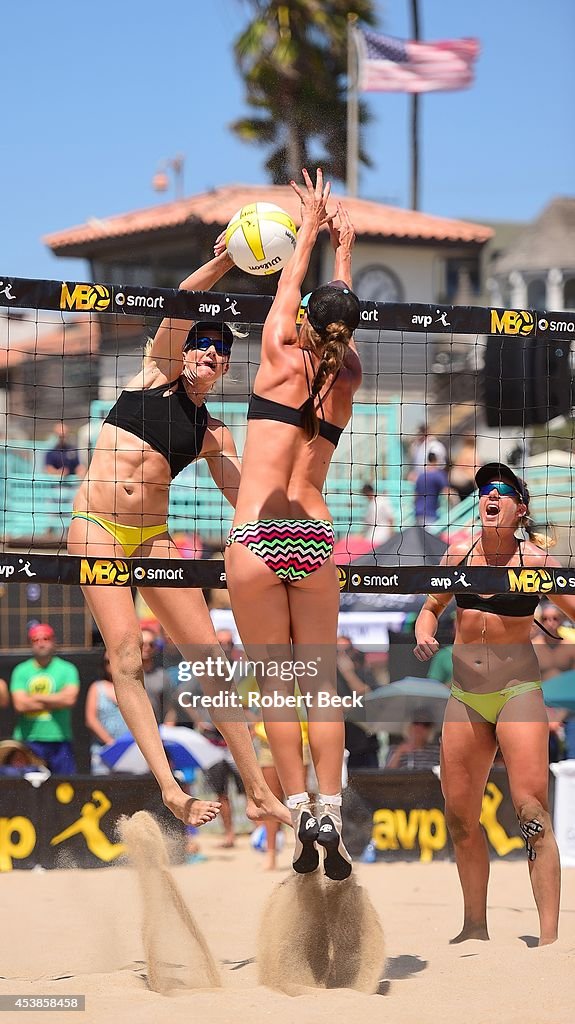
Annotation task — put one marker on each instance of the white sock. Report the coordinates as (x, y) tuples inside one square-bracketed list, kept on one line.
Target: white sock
[(334, 800), (297, 798)]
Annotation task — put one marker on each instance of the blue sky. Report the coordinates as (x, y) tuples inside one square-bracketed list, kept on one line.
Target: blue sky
[(95, 97)]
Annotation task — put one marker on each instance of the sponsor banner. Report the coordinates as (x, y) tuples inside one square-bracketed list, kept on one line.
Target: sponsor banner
[(370, 580), (71, 822), (403, 815), (451, 579), (388, 316)]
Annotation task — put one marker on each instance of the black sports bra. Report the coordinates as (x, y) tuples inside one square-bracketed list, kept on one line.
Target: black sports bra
[(170, 423), (265, 409), (512, 605)]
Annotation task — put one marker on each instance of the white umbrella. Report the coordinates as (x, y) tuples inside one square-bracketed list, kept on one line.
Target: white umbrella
[(185, 748)]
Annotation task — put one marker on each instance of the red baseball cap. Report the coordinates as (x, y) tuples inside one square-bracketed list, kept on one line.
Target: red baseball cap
[(41, 631)]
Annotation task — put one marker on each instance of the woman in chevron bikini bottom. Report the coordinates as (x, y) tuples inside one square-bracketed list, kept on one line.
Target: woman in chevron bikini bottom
[(281, 576)]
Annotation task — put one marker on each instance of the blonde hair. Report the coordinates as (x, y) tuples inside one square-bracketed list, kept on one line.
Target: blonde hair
[(331, 346), (543, 539)]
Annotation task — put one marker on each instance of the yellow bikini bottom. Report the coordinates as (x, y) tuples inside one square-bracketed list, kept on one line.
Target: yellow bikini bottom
[(490, 705), (130, 537)]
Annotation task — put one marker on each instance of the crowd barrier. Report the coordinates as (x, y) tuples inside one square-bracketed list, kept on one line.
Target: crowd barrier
[(72, 822), (402, 813)]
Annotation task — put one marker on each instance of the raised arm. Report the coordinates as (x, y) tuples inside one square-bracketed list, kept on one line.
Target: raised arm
[(166, 350), (223, 462), (342, 237), (280, 326)]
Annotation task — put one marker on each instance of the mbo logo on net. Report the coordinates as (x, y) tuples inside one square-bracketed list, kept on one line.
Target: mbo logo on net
[(512, 321), (105, 572), (84, 297), (530, 581)]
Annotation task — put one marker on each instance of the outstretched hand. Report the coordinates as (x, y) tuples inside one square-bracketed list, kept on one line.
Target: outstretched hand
[(220, 244), (342, 234), (313, 199)]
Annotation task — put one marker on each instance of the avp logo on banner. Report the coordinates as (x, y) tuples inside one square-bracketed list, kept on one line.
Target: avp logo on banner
[(84, 297), (530, 581), (513, 322), (341, 577), (105, 572)]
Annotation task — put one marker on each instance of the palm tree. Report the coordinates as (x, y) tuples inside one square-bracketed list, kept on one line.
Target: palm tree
[(293, 58)]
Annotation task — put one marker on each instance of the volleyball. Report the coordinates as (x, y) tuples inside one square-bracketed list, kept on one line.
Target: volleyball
[(260, 238)]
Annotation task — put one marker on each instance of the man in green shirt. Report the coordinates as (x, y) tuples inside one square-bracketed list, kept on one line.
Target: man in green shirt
[(44, 689)]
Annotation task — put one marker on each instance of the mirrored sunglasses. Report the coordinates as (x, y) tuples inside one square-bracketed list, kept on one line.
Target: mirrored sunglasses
[(223, 348), (504, 490)]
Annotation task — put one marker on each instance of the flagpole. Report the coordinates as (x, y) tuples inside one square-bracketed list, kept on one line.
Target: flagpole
[(352, 141), (415, 121)]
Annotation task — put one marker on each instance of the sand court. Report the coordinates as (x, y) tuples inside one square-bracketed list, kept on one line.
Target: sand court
[(80, 931)]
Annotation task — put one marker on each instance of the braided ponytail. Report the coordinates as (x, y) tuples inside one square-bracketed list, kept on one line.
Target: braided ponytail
[(331, 346)]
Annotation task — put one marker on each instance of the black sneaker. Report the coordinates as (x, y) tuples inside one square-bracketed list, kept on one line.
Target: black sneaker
[(337, 861), (306, 829)]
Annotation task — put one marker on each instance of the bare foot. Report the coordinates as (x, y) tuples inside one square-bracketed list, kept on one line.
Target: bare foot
[(227, 844), (189, 810), (471, 931), (547, 940), (267, 805)]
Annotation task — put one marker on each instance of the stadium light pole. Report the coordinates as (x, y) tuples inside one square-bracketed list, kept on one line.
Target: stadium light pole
[(352, 141)]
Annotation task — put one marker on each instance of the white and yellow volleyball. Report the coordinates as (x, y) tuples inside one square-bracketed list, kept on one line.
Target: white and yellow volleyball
[(260, 238)]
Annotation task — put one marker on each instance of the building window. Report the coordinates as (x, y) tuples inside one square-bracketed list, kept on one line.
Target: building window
[(537, 294), (569, 293)]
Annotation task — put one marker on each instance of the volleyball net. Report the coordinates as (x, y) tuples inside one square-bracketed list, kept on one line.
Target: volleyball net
[(488, 385)]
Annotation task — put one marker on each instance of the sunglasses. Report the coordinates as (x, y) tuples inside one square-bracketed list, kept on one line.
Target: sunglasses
[(223, 348), (504, 490)]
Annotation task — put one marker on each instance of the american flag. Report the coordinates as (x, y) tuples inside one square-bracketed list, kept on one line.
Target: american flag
[(387, 64)]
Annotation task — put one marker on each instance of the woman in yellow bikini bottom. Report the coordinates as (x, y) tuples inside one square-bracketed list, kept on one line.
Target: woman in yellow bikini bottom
[(130, 537), (490, 705), (492, 647)]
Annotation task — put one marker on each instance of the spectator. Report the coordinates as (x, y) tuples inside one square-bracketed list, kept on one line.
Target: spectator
[(44, 690), (4, 694), (156, 680), (463, 468), (17, 759), (426, 444), (430, 484), (63, 459), (419, 751), (103, 717), (379, 516), (353, 676)]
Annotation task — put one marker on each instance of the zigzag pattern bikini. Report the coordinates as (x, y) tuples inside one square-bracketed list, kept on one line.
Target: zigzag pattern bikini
[(293, 548)]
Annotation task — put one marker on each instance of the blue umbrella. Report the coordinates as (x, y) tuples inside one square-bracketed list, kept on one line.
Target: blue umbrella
[(559, 692), (408, 700), (185, 748)]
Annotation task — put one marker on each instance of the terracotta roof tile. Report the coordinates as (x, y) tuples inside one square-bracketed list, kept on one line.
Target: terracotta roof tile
[(218, 206), (78, 337)]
